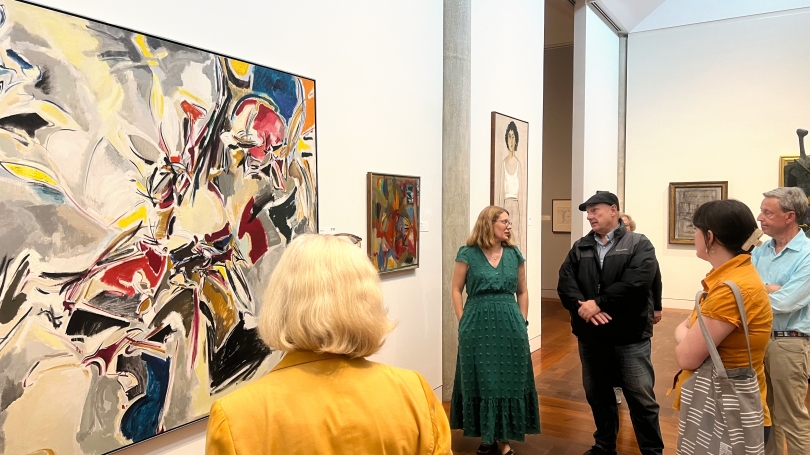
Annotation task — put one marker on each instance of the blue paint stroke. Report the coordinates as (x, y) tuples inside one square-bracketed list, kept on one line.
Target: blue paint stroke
[(49, 194), (142, 419), (19, 60), (285, 89)]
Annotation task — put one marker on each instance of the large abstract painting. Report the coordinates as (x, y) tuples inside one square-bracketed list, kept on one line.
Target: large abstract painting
[(147, 189), (509, 172), (393, 221)]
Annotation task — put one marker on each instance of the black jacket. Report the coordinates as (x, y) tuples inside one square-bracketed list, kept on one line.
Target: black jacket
[(627, 287)]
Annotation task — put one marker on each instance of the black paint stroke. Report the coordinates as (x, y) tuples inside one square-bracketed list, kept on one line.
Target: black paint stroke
[(238, 359), (85, 323), (281, 215), (135, 366), (12, 300), (181, 303), (117, 304), (27, 122)]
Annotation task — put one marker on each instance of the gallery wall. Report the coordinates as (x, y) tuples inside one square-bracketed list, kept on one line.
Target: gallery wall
[(712, 101), (558, 89), (378, 71), (595, 124), (507, 77)]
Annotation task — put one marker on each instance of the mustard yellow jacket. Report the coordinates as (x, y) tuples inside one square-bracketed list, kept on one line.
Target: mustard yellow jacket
[(330, 404)]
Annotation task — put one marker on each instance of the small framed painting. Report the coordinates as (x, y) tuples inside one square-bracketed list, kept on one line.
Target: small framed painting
[(684, 199), (393, 221), (560, 216), (785, 167)]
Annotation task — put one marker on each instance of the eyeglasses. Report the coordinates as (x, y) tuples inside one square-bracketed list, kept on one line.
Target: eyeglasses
[(506, 223), (351, 237)]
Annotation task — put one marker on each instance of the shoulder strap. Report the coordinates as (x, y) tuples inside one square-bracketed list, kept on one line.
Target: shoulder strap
[(634, 239), (743, 317), (715, 356)]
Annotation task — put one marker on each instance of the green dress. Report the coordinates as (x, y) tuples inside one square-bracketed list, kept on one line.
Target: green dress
[(494, 395)]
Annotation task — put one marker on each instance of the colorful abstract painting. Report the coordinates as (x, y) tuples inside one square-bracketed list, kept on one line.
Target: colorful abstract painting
[(393, 221), (147, 189)]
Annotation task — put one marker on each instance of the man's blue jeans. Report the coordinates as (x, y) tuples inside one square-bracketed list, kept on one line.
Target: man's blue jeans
[(630, 367)]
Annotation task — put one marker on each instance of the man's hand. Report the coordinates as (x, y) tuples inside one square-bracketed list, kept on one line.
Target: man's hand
[(588, 309), (771, 288), (601, 318), (657, 317)]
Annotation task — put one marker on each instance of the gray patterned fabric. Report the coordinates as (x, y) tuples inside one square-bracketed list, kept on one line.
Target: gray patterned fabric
[(721, 410)]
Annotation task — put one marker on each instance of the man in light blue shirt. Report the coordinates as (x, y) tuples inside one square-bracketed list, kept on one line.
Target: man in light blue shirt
[(783, 264)]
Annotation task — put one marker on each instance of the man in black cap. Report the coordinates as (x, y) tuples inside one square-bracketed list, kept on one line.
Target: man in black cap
[(606, 284)]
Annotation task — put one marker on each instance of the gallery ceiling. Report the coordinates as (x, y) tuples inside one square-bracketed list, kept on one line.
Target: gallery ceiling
[(642, 15), (634, 16)]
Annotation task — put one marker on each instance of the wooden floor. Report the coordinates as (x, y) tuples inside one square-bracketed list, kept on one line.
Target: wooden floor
[(566, 421)]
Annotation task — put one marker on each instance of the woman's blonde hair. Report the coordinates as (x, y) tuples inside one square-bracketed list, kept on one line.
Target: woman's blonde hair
[(324, 296), (631, 225), (483, 234)]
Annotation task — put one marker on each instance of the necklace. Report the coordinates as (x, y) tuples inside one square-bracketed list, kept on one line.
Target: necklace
[(493, 256)]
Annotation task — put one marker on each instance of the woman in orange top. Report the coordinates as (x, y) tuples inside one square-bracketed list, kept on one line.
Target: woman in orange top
[(725, 233), (324, 309)]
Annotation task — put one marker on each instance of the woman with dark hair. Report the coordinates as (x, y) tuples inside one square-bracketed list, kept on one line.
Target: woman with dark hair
[(725, 234), (494, 395)]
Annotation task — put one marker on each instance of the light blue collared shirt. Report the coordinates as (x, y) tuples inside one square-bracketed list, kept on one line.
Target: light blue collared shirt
[(791, 270), (602, 250)]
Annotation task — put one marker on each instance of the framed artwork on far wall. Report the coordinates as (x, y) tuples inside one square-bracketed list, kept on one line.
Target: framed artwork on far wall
[(784, 162), (393, 221), (560, 216), (508, 171), (684, 199)]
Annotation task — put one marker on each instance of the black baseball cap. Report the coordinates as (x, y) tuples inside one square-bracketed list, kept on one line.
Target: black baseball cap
[(601, 197)]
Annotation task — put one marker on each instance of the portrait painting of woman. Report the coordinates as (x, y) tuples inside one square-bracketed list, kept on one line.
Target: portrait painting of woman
[(508, 177)]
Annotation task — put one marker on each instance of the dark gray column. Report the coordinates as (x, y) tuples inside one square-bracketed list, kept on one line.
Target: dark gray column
[(455, 169)]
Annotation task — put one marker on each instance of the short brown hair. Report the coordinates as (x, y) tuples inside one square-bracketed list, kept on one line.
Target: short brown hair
[(482, 234), (324, 296)]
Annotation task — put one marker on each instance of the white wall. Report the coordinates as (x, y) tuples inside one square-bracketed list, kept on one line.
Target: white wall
[(711, 101), (596, 112), (507, 77), (378, 71)]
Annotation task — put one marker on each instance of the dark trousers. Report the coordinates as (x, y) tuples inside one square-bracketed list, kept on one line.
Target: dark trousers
[(629, 367)]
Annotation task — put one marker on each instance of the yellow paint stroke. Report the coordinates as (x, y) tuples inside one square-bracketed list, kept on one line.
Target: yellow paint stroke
[(145, 305), (240, 69), (141, 188), (93, 75), (156, 97), (152, 58), (302, 145), (53, 114), (30, 173), (43, 452), (183, 92), (137, 216), (225, 317)]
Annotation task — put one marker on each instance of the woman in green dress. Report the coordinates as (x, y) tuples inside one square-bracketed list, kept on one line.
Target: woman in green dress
[(494, 396)]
